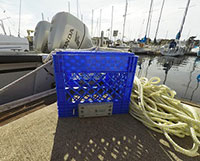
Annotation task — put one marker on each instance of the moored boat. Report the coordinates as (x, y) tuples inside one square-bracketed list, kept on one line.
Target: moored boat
[(175, 48), (12, 44)]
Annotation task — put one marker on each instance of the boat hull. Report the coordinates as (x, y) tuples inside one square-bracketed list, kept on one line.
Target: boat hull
[(173, 52), (198, 53), (12, 44), (14, 66)]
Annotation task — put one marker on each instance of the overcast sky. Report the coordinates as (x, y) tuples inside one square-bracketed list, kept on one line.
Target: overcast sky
[(137, 15)]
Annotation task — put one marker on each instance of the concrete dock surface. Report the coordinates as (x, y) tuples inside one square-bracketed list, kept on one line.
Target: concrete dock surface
[(42, 136)]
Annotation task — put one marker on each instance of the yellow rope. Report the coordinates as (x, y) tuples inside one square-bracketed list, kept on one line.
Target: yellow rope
[(155, 106)]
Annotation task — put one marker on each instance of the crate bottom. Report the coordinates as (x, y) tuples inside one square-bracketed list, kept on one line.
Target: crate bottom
[(63, 112)]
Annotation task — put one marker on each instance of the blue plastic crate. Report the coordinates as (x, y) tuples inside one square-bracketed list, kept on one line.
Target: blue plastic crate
[(93, 76)]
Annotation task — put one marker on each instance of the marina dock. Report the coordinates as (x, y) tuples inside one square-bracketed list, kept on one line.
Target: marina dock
[(70, 65), (40, 135)]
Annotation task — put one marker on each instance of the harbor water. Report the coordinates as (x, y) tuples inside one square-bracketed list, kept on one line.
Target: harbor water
[(181, 74)]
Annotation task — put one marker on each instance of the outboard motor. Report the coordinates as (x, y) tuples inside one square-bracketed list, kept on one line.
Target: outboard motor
[(67, 31), (41, 36)]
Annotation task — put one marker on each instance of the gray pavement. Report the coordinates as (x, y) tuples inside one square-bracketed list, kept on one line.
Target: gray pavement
[(41, 136)]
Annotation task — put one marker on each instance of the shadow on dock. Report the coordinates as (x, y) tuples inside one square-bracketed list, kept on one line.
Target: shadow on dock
[(119, 137)]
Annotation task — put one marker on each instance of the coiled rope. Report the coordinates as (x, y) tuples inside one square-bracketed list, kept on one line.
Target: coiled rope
[(155, 106)]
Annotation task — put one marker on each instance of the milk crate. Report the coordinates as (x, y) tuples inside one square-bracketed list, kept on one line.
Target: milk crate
[(92, 77)]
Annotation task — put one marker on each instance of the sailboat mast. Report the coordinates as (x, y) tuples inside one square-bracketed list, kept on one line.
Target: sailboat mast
[(42, 16), (163, 2), (77, 9), (151, 4), (69, 6), (186, 10), (149, 27), (20, 4), (100, 22), (2, 26), (141, 27), (124, 20), (92, 23), (111, 22)]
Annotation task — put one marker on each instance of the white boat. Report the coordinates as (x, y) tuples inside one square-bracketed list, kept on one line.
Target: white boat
[(139, 47), (136, 48), (13, 44), (9, 43), (176, 49), (196, 50), (198, 53)]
